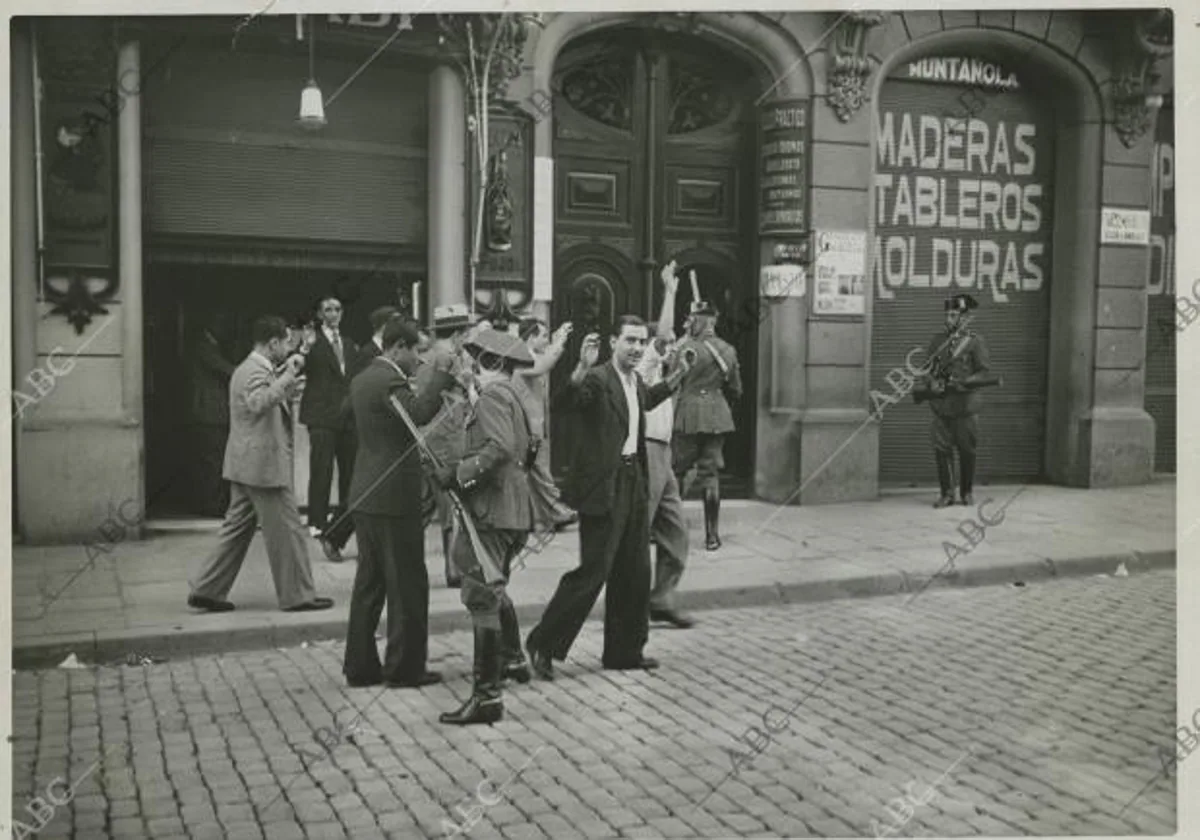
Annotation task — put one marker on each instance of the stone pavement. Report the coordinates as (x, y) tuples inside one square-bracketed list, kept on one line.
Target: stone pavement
[(132, 598), (1026, 710)]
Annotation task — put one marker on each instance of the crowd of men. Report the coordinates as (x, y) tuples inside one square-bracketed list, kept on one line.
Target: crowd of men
[(453, 419)]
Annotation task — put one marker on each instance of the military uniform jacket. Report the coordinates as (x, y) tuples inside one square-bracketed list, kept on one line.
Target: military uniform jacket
[(445, 433), (492, 474), (972, 359), (701, 407)]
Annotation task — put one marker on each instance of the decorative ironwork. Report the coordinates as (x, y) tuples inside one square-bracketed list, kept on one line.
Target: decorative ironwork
[(1144, 43), (77, 295), (499, 206), (602, 89), (76, 198), (699, 98), (849, 66)]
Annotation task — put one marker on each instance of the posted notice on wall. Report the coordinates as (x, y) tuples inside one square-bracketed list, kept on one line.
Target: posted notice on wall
[(1124, 226), (780, 281), (839, 272)]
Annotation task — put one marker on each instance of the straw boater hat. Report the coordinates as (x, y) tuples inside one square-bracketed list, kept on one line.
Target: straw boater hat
[(502, 345), (451, 318)]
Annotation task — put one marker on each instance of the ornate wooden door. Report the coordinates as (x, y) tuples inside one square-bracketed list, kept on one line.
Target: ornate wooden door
[(654, 161)]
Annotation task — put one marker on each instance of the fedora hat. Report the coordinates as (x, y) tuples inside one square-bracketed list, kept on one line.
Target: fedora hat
[(502, 345)]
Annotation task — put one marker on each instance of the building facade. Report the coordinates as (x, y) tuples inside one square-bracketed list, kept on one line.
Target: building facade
[(854, 168)]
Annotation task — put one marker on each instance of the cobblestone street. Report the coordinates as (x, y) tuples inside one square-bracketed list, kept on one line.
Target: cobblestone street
[(1032, 710)]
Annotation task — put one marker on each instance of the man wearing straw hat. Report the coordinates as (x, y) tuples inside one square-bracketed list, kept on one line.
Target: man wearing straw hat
[(492, 479), (702, 414)]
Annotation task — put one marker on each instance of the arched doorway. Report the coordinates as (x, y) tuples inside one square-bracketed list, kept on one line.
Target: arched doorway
[(654, 156)]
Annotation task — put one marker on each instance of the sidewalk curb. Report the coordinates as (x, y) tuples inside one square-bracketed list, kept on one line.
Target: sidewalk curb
[(108, 648)]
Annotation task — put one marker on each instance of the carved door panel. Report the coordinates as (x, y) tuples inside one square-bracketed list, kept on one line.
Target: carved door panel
[(653, 161)]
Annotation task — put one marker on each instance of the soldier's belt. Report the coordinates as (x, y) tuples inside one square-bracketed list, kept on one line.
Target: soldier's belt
[(925, 392)]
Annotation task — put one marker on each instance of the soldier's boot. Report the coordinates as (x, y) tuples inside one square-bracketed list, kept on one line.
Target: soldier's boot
[(967, 480), (486, 703), (453, 578), (712, 514), (515, 665), (945, 471)]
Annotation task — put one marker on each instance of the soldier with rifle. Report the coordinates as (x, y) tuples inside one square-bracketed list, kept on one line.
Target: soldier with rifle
[(958, 365)]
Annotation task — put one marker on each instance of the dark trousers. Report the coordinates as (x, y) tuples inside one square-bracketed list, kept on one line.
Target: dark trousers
[(391, 568), (326, 445), (210, 491), (950, 434), (705, 452), (614, 551)]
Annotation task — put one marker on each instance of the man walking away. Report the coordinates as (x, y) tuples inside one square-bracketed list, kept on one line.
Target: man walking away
[(385, 497), (258, 465), (493, 480), (607, 485), (325, 410)]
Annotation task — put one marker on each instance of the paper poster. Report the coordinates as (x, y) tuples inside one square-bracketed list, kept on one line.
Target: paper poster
[(779, 281), (839, 273)]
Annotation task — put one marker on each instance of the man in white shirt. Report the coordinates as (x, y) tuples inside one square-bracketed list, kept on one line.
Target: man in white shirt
[(668, 525)]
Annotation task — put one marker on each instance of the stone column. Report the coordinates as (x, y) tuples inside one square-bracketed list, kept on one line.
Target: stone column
[(23, 170), (447, 188)]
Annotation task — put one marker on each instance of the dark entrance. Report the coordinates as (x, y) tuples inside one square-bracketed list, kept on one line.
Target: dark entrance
[(184, 440), (654, 161)]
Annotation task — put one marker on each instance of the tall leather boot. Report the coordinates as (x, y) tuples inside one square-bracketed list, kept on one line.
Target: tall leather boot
[(514, 664), (967, 479), (945, 471), (712, 513), (453, 578), (486, 703)]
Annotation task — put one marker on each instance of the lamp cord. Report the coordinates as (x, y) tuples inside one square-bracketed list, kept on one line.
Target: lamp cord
[(363, 67)]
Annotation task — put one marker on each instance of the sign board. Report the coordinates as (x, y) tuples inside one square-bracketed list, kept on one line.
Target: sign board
[(783, 180), (779, 281), (961, 70), (791, 252), (840, 268), (1124, 226)]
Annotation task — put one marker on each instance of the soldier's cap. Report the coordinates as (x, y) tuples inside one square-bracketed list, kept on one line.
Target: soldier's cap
[(702, 307), (961, 303), (451, 318), (502, 345)]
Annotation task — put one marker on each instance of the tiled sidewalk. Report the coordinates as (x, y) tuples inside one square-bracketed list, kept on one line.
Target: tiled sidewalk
[(133, 598)]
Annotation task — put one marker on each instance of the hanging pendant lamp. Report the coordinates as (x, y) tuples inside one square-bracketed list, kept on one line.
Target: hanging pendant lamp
[(312, 103)]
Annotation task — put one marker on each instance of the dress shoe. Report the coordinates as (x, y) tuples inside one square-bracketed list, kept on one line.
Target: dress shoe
[(543, 665), (364, 683), (427, 678), (942, 502), (644, 663), (332, 554), (569, 522), (671, 617), (968, 499), (199, 602), (518, 671), (311, 606)]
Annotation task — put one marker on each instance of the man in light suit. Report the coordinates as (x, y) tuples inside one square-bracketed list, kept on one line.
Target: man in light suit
[(607, 484), (258, 465)]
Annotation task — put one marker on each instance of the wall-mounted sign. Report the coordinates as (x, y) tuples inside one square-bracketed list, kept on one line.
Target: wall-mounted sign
[(839, 272), (778, 281), (791, 252), (959, 70), (375, 21), (783, 174), (1124, 226)]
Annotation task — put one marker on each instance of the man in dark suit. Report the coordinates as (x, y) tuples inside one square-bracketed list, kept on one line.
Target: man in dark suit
[(258, 464), (325, 410), (378, 319), (608, 486), (385, 498)]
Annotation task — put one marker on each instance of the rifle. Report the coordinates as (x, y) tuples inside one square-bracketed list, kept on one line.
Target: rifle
[(491, 573), (938, 379)]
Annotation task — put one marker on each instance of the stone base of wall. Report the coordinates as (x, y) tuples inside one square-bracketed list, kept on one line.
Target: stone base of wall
[(820, 456), (1117, 447)]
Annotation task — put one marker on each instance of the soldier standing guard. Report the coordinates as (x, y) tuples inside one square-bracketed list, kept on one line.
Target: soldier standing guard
[(958, 364), (702, 414), (493, 481)]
